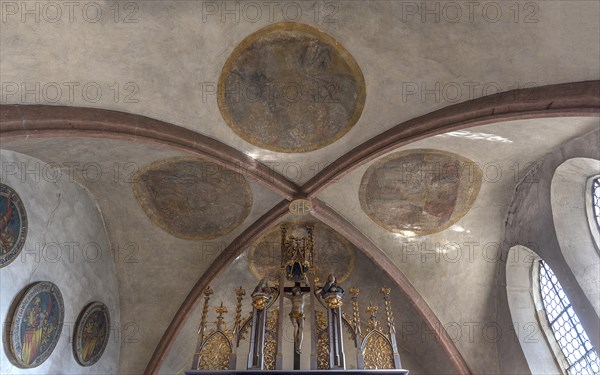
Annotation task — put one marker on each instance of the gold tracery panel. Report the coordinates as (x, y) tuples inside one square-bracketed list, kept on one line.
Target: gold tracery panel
[(378, 352), (215, 353), (322, 341), (271, 340)]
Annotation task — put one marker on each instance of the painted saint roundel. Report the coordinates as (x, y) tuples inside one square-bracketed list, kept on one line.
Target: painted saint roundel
[(91, 333), (13, 225), (36, 324)]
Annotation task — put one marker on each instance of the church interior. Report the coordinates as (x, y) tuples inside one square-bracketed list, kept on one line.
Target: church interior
[(213, 187)]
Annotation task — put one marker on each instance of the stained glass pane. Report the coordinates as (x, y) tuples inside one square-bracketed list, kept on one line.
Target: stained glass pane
[(568, 331), (596, 200)]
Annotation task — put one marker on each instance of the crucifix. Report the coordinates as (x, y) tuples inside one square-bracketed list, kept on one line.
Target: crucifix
[(296, 263), (296, 295)]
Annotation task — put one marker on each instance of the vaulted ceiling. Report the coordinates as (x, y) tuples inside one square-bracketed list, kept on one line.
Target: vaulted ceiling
[(195, 169)]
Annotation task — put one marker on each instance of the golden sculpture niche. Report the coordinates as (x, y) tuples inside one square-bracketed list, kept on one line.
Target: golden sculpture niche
[(314, 310)]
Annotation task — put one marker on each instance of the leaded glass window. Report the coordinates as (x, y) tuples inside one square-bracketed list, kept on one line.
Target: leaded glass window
[(574, 342), (596, 200)]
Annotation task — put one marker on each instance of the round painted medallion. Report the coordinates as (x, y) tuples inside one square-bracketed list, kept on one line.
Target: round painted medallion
[(191, 198), (291, 88), (36, 324), (333, 253), (91, 333), (419, 192), (13, 225)]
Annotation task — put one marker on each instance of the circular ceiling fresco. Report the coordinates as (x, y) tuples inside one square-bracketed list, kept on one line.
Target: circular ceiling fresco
[(333, 254), (419, 192), (191, 198), (291, 88)]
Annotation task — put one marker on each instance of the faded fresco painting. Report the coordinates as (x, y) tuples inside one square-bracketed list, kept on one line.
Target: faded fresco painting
[(419, 192), (192, 198), (291, 88), (91, 334), (36, 324), (13, 225)]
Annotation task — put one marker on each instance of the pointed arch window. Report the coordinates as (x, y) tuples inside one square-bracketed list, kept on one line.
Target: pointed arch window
[(572, 339)]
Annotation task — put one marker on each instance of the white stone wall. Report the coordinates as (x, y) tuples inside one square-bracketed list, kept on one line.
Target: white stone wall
[(531, 223), (66, 244), (571, 195)]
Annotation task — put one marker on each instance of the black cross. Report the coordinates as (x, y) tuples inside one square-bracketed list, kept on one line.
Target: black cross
[(303, 289)]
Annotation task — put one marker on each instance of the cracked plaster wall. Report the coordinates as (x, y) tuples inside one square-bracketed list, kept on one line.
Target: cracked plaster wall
[(66, 244)]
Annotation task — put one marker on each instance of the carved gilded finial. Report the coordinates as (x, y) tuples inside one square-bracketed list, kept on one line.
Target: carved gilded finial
[(388, 309), (207, 293), (220, 320), (372, 309), (221, 309), (240, 292), (355, 312), (373, 322)]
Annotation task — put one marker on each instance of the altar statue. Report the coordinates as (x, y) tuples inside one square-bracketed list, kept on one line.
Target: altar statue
[(262, 287), (331, 287)]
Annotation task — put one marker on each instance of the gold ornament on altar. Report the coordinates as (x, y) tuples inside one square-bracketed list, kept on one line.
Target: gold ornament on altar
[(334, 301), (298, 253), (322, 341), (259, 302), (332, 252), (271, 340), (373, 339), (378, 352), (220, 322), (373, 322), (215, 353), (261, 295)]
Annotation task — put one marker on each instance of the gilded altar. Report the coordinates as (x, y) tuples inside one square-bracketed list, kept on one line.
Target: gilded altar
[(297, 317)]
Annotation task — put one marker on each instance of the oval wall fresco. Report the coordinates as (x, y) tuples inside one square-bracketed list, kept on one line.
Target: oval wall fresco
[(191, 198), (333, 253), (36, 324), (13, 225), (419, 192), (91, 333), (291, 88)]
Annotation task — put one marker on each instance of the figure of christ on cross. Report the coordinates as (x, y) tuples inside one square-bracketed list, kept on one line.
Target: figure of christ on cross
[(296, 295)]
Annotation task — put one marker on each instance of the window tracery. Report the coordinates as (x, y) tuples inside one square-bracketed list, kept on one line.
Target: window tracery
[(572, 339)]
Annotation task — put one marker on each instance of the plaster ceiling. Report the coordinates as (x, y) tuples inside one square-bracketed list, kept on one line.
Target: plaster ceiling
[(173, 56), (151, 264), (167, 66)]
